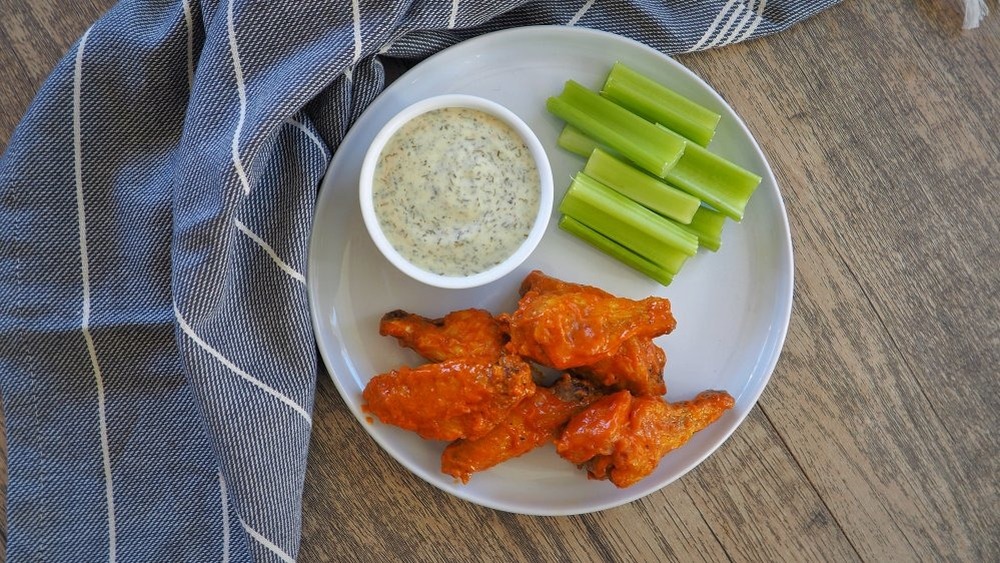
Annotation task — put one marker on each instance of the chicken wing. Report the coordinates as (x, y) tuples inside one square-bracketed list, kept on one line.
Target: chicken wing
[(451, 399), (637, 367), (468, 334), (533, 422), (538, 281), (596, 429), (564, 325), (654, 428)]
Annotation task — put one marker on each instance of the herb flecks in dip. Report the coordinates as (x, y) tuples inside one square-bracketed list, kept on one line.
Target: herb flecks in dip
[(456, 191)]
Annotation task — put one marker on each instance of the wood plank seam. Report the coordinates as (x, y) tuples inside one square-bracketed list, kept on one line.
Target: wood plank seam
[(895, 345), (722, 546), (809, 480), (588, 524)]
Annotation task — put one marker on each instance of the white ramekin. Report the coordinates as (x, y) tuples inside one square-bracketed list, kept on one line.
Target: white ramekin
[(544, 202)]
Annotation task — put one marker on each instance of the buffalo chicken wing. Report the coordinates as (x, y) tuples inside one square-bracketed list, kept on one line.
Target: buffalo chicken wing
[(533, 422), (637, 367), (466, 334), (452, 399), (631, 445), (566, 325)]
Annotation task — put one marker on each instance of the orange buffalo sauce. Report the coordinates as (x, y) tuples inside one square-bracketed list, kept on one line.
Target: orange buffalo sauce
[(595, 430), (449, 400), (533, 422)]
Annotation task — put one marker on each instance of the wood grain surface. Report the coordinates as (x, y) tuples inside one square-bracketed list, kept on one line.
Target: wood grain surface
[(877, 437)]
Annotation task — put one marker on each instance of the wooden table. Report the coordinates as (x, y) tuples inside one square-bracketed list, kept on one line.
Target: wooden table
[(877, 438)]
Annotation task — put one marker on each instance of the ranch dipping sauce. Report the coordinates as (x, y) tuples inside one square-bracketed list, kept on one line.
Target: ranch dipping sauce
[(456, 191)]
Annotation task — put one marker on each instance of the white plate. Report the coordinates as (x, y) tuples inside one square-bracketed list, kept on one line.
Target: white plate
[(732, 307)]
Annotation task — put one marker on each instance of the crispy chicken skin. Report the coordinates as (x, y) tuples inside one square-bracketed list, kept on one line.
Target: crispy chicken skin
[(536, 280), (533, 422), (564, 325), (653, 429), (596, 429), (451, 399), (465, 334), (637, 367)]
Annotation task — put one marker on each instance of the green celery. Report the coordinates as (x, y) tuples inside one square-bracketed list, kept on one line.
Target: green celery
[(636, 139), (576, 142), (657, 103), (626, 222), (718, 182), (641, 187), (619, 252), (707, 225)]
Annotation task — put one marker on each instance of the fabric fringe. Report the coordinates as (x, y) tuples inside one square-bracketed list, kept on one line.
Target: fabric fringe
[(975, 11)]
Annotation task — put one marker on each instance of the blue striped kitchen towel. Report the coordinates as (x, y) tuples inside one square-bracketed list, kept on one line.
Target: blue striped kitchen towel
[(156, 358)]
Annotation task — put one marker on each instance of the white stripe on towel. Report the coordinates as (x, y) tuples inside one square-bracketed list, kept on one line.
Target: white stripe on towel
[(189, 23), (270, 252), (729, 24), (312, 137), (225, 518), (81, 217), (711, 28), (356, 12), (233, 368), (267, 543), (756, 21), (743, 23), (388, 45), (242, 93), (453, 18), (579, 13)]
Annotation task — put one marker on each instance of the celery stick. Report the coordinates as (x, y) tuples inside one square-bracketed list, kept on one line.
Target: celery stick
[(626, 222), (641, 187), (636, 139), (718, 182), (707, 226), (617, 251), (576, 142), (659, 104)]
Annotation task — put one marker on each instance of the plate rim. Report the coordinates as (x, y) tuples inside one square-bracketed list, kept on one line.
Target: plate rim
[(784, 295)]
